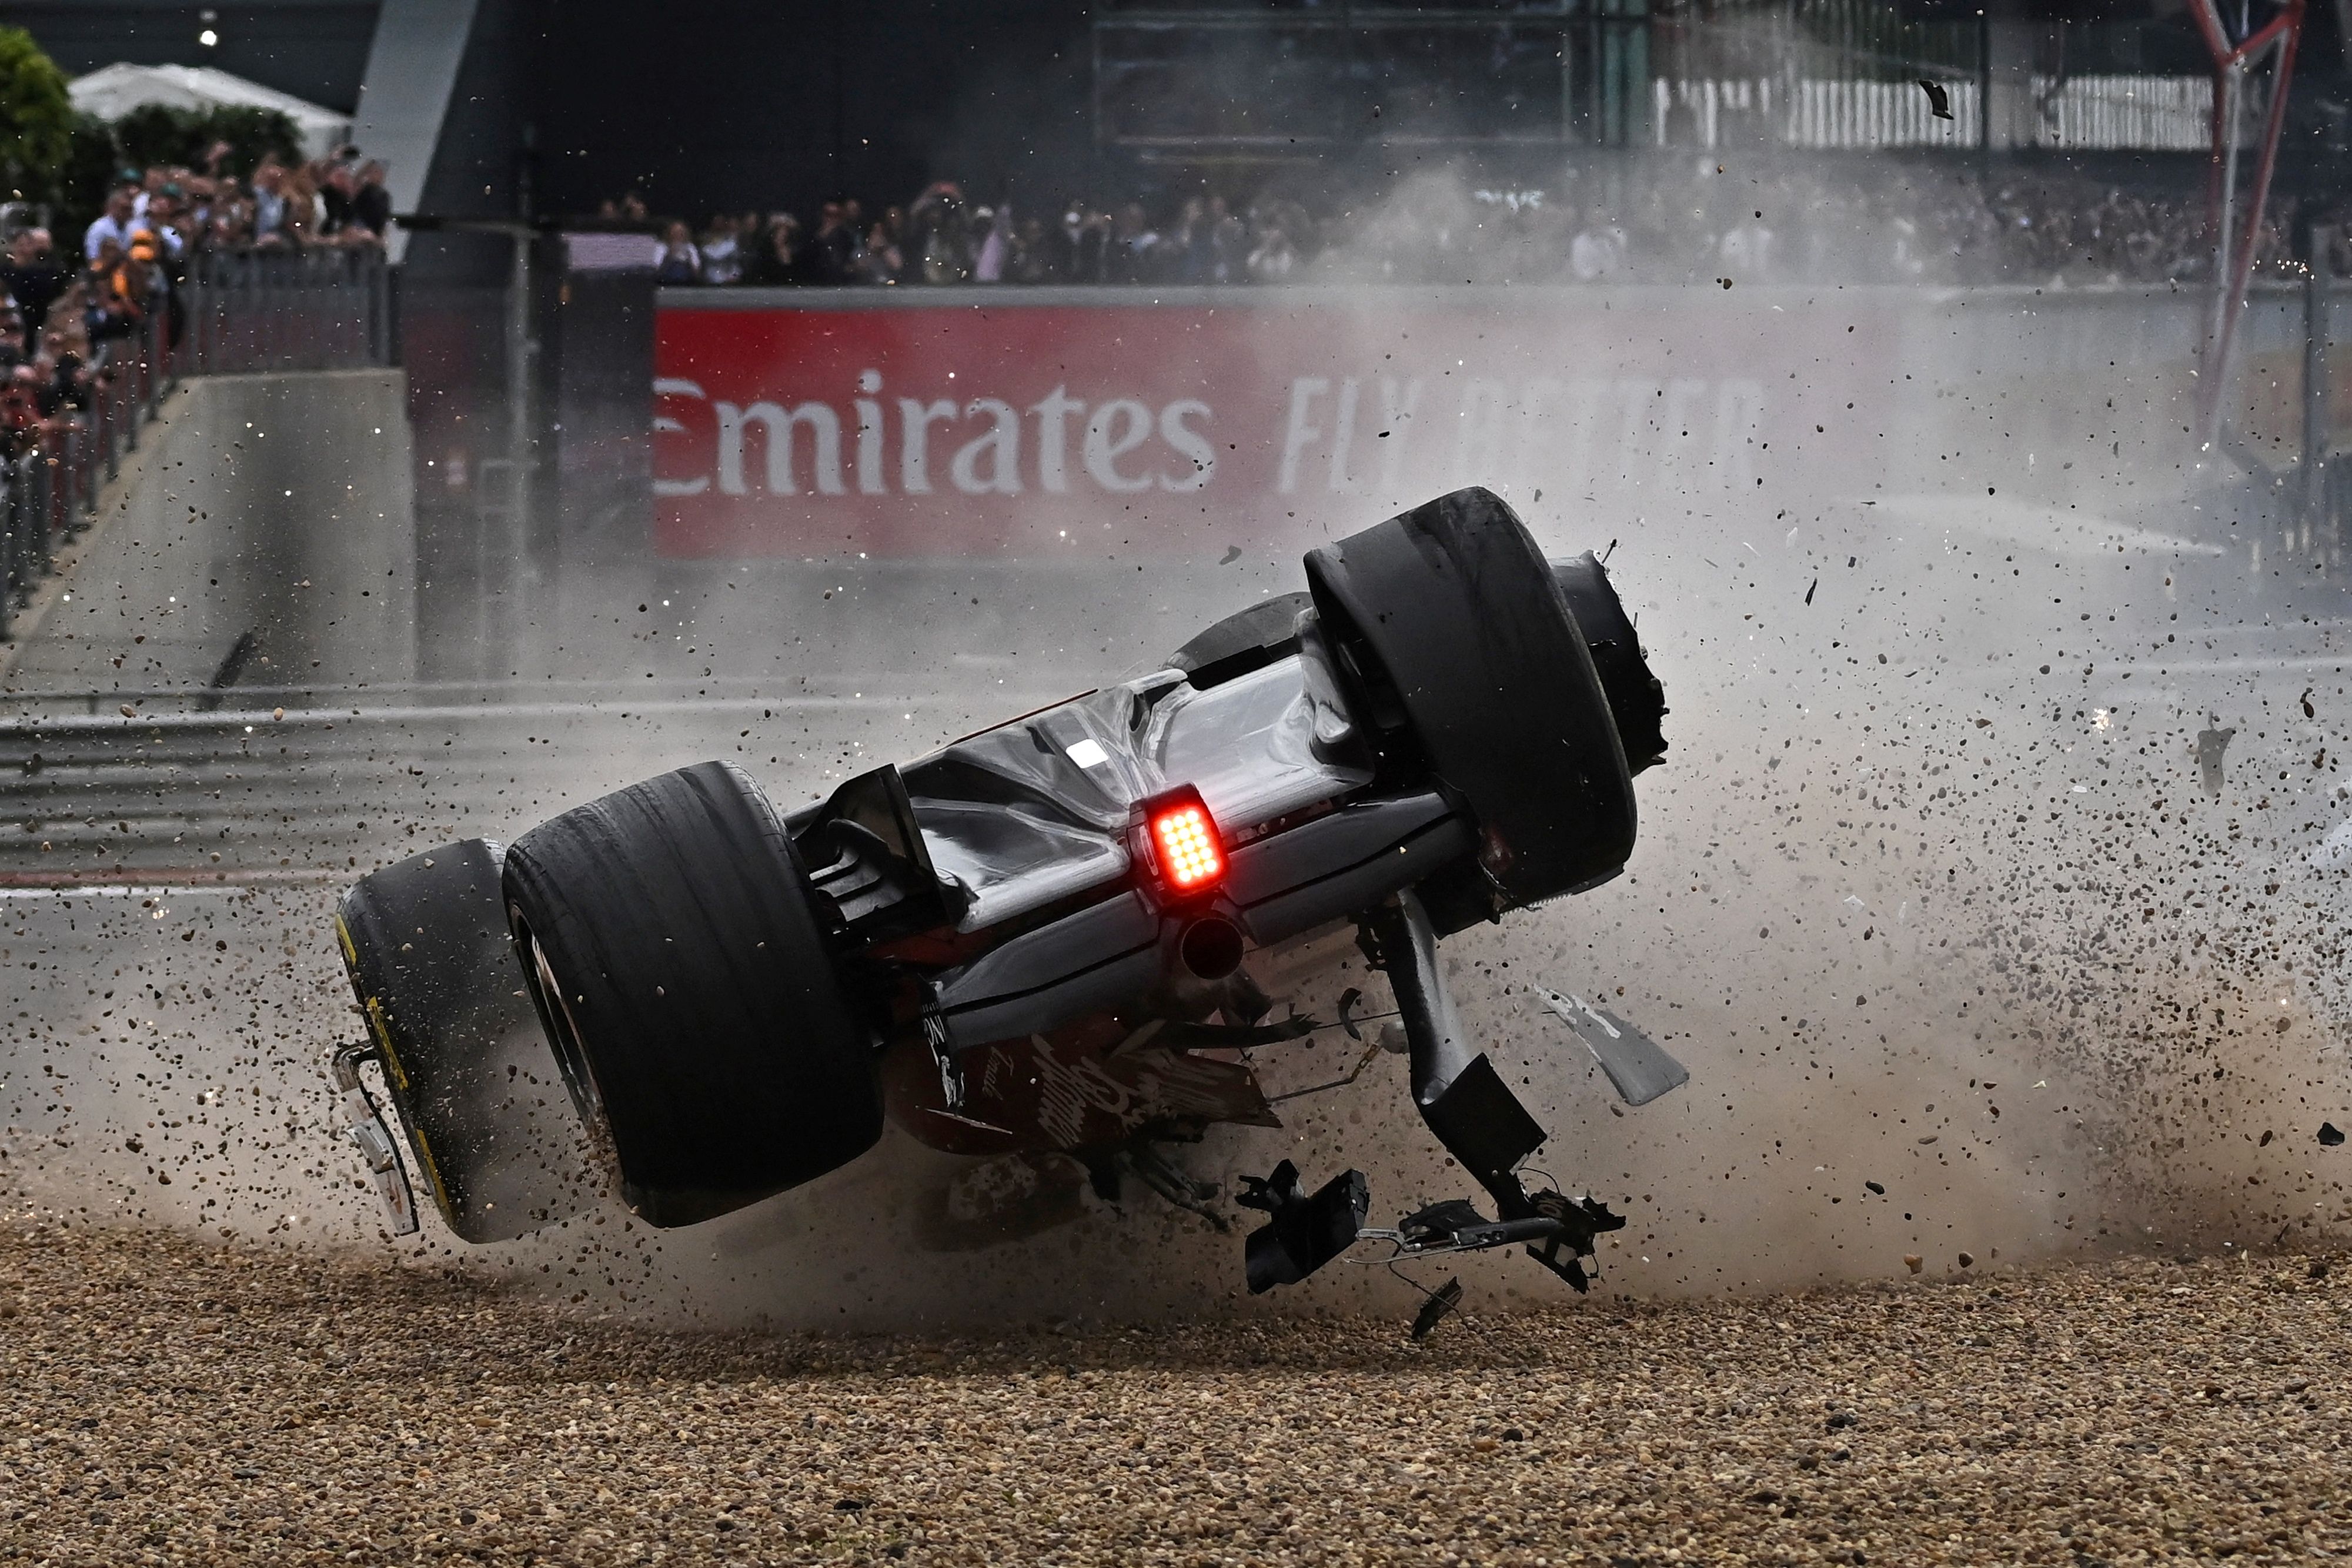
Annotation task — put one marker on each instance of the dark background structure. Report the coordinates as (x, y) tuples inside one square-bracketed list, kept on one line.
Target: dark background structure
[(735, 105)]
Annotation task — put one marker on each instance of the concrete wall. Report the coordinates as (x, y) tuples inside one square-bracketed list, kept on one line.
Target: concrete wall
[(277, 504)]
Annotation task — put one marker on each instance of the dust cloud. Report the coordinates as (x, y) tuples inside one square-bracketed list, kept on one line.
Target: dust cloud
[(1971, 966)]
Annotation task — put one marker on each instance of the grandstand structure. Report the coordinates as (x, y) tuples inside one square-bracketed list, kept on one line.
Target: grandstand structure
[(1185, 81), (1194, 83)]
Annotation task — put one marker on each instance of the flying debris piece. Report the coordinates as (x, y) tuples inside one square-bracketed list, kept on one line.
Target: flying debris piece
[(2308, 711), (1445, 1298), (1347, 1000), (1638, 1067), (1303, 1233), (1808, 592), (1452, 1223), (2213, 742), (1550, 1223), (1875, 1187), (1233, 553), (2330, 1134), (1939, 102)]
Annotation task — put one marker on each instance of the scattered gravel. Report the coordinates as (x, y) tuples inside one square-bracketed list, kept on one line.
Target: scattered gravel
[(163, 1400)]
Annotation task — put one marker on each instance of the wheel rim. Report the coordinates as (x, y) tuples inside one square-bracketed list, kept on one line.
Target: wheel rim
[(571, 1057)]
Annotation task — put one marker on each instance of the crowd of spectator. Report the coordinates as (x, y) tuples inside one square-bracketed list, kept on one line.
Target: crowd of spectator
[(1941, 228), (334, 202), (70, 312), (58, 326)]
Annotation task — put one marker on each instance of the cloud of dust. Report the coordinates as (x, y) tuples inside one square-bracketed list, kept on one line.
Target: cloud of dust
[(1931, 893)]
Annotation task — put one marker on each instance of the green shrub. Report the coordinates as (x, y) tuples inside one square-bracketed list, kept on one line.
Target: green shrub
[(37, 118), (90, 165), (252, 134), (159, 134), (56, 156)]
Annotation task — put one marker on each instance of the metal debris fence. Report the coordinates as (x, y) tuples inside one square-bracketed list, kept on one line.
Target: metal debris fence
[(232, 315)]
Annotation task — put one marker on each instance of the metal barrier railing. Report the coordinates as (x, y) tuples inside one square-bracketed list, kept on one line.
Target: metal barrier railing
[(315, 310), (231, 315)]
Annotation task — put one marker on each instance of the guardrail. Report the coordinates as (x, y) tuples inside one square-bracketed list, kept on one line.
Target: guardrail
[(231, 314), (319, 311)]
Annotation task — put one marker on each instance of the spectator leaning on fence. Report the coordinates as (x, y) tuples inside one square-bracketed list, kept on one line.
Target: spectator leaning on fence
[(31, 276), (676, 259), (114, 223), (370, 203), (269, 205)]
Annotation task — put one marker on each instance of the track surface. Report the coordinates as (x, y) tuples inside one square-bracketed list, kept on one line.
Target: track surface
[(166, 1401)]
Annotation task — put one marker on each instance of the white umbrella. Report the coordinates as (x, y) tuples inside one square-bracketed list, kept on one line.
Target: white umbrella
[(113, 91)]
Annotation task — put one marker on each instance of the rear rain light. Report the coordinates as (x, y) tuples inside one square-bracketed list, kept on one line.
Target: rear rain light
[(1185, 844)]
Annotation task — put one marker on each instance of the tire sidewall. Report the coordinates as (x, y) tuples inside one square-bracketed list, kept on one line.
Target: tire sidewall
[(1453, 609)]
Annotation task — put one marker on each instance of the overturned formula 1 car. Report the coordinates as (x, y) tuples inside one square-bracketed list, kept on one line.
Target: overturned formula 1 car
[(1038, 940)]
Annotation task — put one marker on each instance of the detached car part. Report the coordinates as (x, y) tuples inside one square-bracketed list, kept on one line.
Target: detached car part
[(1035, 942)]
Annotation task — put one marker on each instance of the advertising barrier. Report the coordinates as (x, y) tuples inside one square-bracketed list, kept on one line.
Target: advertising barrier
[(1038, 422)]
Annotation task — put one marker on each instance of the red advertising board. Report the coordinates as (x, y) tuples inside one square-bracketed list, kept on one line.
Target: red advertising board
[(1032, 423)]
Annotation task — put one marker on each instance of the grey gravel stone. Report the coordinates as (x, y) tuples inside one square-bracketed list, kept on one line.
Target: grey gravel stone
[(165, 1400)]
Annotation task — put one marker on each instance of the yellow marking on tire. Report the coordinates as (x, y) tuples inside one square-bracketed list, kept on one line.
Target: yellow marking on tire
[(432, 1172), (383, 1031)]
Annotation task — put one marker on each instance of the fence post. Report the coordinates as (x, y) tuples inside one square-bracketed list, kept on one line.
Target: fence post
[(20, 522), (88, 476), (7, 545), (2315, 433), (46, 484), (86, 472), (379, 310), (159, 339), (71, 515)]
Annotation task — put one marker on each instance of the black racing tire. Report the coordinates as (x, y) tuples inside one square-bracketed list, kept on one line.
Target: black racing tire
[(1244, 640), (485, 1112), (1466, 660), (1636, 697), (669, 941)]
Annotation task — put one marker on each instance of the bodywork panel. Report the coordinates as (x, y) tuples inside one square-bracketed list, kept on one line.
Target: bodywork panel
[(1023, 816)]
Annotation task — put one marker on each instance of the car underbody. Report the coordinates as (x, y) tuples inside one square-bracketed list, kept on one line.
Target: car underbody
[(1040, 943)]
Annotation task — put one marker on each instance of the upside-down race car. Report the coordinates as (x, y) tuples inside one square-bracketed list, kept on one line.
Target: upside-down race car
[(1039, 939)]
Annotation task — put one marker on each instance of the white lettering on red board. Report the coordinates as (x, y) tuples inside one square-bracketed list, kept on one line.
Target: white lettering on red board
[(1344, 436), (980, 446), (1543, 427)]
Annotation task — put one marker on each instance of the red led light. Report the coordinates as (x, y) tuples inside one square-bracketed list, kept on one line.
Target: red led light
[(1186, 840)]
